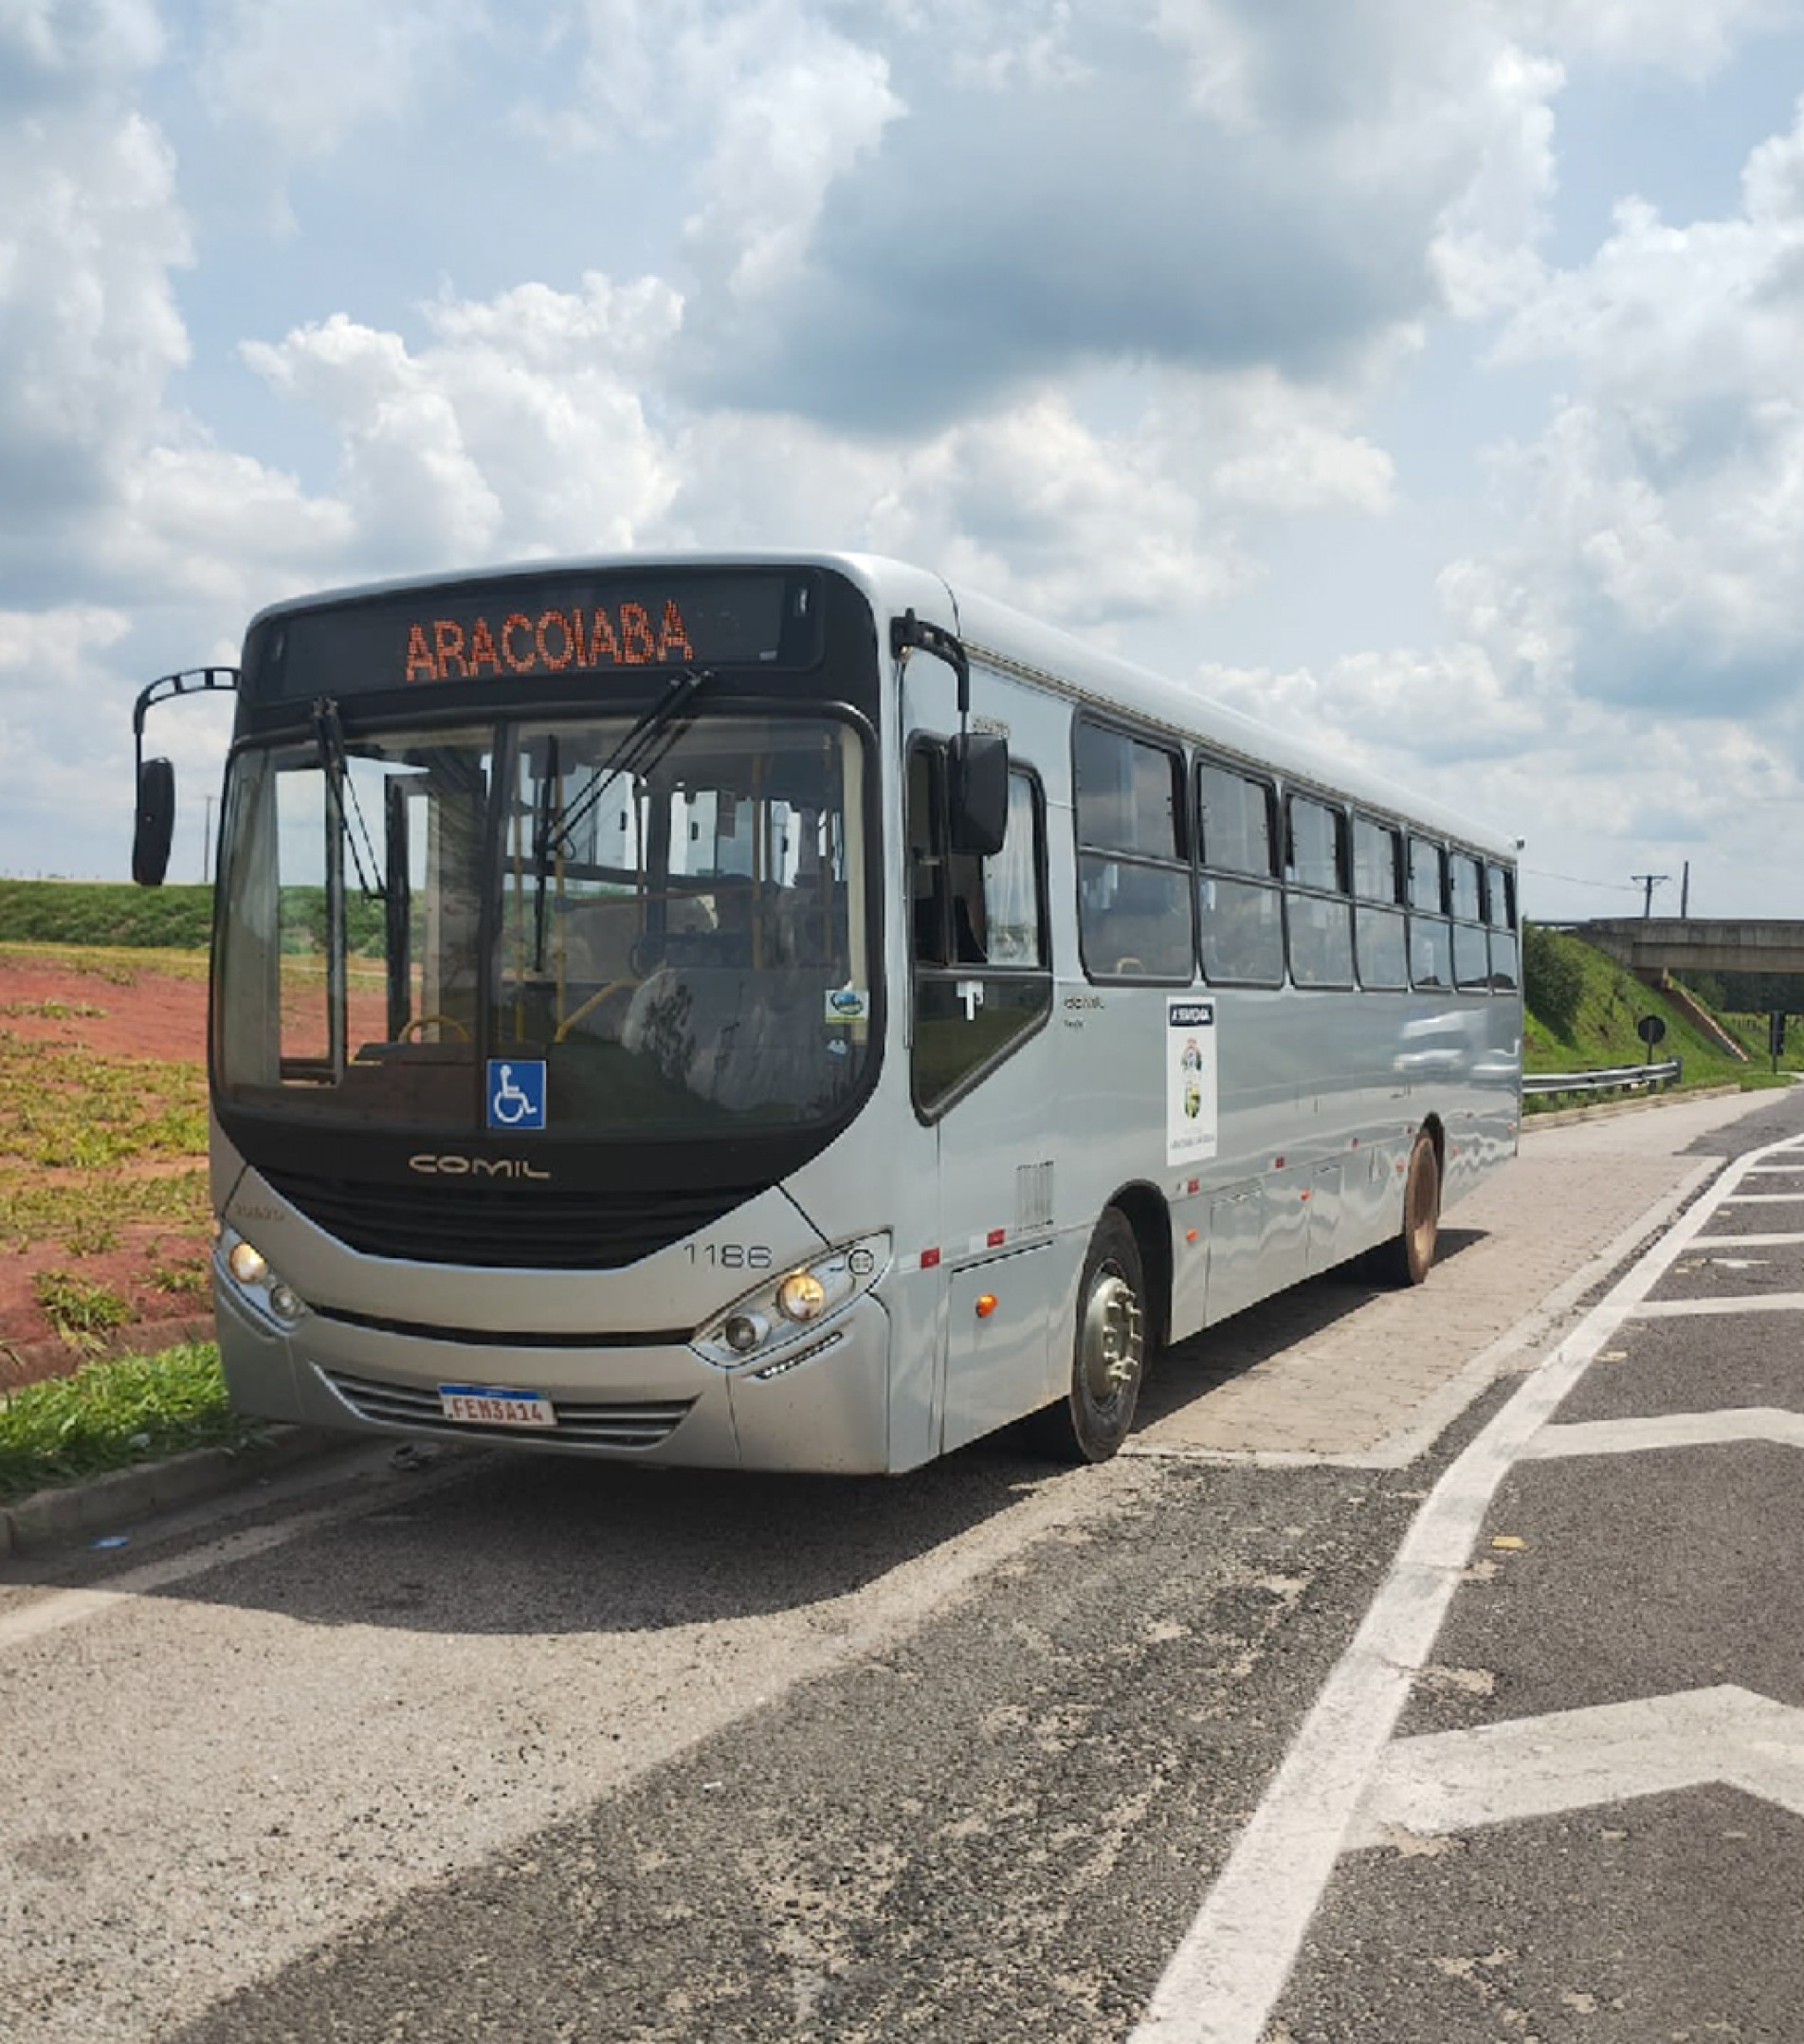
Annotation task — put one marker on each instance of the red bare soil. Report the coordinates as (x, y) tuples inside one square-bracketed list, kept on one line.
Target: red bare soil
[(157, 1016)]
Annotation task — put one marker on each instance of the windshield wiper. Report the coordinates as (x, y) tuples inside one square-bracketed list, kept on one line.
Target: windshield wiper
[(638, 752), (329, 736)]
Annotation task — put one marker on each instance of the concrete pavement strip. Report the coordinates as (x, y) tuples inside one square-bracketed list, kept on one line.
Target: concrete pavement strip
[(103, 1503)]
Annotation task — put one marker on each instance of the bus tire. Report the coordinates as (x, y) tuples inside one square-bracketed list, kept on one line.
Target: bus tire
[(1108, 1351), (1407, 1258)]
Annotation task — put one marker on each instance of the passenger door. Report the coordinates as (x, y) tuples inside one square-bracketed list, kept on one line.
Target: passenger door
[(981, 995)]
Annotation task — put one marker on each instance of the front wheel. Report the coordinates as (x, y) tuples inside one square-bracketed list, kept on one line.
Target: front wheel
[(1405, 1259), (1108, 1351)]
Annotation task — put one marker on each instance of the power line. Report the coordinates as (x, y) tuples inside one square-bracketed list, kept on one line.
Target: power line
[(1613, 887)]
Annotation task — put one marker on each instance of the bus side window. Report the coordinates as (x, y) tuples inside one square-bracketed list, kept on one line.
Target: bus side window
[(981, 983), (1240, 908), (1429, 965), (1134, 883), (1377, 884), (926, 864)]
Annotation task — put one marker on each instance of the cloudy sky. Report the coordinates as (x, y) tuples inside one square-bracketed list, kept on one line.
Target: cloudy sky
[(1427, 376)]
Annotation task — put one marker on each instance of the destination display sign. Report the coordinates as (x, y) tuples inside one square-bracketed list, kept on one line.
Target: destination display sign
[(522, 628)]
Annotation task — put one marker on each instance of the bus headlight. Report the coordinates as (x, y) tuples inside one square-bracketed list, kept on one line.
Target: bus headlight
[(763, 1323), (248, 1263), (802, 1296), (259, 1285)]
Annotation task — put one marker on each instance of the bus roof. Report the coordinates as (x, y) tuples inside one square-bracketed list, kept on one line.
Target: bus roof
[(1009, 638)]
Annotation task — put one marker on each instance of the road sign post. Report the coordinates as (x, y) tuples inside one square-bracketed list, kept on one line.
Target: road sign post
[(1650, 1028)]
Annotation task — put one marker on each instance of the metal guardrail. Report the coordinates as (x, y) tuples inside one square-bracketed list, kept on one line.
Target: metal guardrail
[(1606, 1078)]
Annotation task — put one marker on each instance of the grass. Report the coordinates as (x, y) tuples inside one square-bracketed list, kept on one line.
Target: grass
[(81, 1312), (105, 912), (1601, 1031), (60, 1106), (109, 1415), (85, 1216)]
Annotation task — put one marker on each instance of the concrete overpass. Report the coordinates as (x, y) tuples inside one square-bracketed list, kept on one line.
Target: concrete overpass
[(1650, 945)]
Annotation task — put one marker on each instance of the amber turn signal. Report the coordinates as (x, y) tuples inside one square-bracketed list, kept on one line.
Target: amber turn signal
[(986, 1305)]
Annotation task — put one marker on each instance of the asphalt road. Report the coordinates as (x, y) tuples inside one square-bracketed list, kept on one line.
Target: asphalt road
[(528, 1749)]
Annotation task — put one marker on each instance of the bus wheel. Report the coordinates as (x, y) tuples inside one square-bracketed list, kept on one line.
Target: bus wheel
[(1108, 1351), (1404, 1260)]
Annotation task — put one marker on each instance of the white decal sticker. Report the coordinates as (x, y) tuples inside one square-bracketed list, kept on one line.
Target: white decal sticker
[(1190, 1079)]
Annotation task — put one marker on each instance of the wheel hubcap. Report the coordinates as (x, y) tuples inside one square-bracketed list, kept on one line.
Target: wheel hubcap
[(1111, 1337)]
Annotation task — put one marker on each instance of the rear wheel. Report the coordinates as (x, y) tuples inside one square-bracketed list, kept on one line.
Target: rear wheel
[(1108, 1351), (1407, 1258)]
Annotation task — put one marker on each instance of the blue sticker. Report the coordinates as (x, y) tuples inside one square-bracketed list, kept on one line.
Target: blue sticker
[(515, 1093)]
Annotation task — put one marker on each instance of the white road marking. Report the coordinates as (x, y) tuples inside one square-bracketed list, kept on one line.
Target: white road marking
[(1747, 1242), (1436, 1413), (1765, 1200), (1228, 1972), (1573, 1760), (1668, 1430), (71, 1607), (1766, 1302)]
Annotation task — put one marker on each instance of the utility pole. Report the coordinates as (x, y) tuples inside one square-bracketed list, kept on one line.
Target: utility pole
[(1647, 882), (206, 844), (1685, 891)]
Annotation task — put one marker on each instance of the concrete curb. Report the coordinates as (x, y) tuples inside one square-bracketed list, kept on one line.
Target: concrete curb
[(60, 1517), (1564, 1117)]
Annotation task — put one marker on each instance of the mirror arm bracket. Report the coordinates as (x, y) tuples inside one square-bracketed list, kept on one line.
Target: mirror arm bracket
[(191, 681), (908, 630)]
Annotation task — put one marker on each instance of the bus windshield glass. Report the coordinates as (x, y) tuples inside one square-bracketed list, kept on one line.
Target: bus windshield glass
[(661, 933)]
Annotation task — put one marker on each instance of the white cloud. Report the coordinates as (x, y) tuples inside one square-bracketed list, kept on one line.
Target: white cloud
[(1663, 503), (299, 76), (791, 103), (61, 49), (1688, 38), (519, 430)]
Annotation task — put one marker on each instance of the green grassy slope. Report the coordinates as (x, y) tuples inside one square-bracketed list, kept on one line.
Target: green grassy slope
[(1600, 1029), (105, 912)]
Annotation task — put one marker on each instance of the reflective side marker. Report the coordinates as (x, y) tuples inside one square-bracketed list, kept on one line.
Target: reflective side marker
[(986, 1305)]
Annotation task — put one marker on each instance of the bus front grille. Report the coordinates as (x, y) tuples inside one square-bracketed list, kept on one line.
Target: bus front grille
[(510, 1226), (621, 1423)]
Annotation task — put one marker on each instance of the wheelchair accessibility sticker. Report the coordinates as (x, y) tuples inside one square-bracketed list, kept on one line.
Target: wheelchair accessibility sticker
[(515, 1093)]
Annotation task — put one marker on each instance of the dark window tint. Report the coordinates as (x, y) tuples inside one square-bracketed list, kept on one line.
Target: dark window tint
[(1472, 956), (1504, 969), (1464, 872), (1500, 896), (1429, 965), (1236, 814), (1382, 961), (1134, 919), (1378, 861), (1127, 794), (1243, 932), (1320, 940), (1318, 838), (1428, 884), (980, 982)]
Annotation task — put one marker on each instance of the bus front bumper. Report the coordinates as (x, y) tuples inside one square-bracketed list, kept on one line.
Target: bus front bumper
[(824, 1407)]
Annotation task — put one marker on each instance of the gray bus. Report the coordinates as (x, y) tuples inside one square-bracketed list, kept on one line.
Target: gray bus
[(785, 1013)]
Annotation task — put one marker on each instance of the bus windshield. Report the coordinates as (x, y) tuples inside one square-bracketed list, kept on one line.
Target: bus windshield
[(663, 938)]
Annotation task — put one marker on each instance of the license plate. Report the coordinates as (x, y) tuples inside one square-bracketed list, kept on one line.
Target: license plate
[(495, 1405)]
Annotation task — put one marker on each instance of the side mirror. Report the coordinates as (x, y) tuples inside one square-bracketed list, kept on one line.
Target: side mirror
[(977, 793), (156, 822)]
